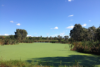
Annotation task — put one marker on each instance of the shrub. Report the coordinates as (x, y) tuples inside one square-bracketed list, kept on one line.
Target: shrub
[(53, 41), (2, 42), (86, 49), (63, 41), (10, 42), (14, 42), (6, 42), (17, 42)]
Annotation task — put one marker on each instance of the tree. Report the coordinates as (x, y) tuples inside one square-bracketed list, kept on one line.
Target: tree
[(59, 38), (47, 38), (20, 34), (85, 34), (55, 38), (92, 33), (97, 35), (40, 38), (66, 38), (50, 37), (76, 33), (30, 38)]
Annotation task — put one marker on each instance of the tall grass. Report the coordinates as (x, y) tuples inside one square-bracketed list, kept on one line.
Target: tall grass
[(16, 63), (19, 63)]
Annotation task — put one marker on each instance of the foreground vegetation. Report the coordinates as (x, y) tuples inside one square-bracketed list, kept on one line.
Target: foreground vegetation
[(16, 63)]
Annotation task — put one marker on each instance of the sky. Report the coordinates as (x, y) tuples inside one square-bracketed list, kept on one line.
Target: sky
[(47, 17)]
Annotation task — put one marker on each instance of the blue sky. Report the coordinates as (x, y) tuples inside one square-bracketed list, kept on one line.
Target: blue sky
[(47, 17)]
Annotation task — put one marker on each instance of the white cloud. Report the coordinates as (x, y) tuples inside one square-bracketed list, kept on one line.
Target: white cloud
[(70, 0), (6, 34), (28, 35), (55, 28), (89, 20), (18, 24), (11, 21), (70, 27), (70, 15), (84, 25)]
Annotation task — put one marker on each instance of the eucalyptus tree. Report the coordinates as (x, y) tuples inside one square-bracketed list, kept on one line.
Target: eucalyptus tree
[(66, 38), (76, 33), (55, 38), (97, 36), (59, 38), (92, 33), (50, 37), (47, 38), (20, 34), (85, 34)]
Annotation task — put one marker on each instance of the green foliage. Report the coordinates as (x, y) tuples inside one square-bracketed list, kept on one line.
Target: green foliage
[(11, 36), (63, 41), (7, 42), (76, 32), (54, 41), (7, 37), (98, 34), (10, 42), (20, 34), (27, 41)]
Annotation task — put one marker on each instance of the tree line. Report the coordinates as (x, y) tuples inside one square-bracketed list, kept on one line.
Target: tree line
[(78, 33)]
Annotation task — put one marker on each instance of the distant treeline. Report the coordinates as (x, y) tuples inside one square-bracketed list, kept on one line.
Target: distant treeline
[(78, 33)]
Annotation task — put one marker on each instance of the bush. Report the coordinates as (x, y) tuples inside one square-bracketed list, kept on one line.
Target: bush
[(63, 41), (2, 42), (53, 41), (14, 42), (6, 42), (17, 41)]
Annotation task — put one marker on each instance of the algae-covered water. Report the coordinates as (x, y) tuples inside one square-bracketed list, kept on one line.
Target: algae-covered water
[(53, 53)]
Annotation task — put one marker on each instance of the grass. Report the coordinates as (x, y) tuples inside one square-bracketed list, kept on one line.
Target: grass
[(50, 54)]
